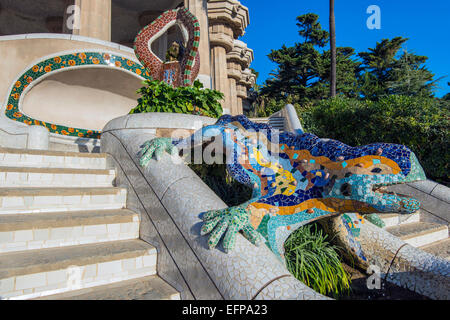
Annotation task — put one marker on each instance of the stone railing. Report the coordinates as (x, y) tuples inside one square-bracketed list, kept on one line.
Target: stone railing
[(291, 121), (169, 198)]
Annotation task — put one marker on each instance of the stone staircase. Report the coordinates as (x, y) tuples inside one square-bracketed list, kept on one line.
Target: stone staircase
[(65, 232), (275, 122), (430, 237)]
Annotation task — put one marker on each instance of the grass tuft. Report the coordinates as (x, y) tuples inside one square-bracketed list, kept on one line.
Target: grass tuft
[(312, 259)]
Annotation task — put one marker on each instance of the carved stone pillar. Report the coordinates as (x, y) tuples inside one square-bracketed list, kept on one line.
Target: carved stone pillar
[(199, 8), (233, 77), (227, 21), (95, 19), (238, 60), (246, 82)]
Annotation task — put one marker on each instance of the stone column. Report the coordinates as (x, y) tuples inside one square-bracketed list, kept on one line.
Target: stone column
[(199, 8), (221, 43), (246, 82), (232, 81), (227, 21), (95, 19), (241, 94), (238, 59)]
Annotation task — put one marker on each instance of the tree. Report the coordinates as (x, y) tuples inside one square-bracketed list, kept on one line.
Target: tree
[(333, 51), (447, 95), (409, 77), (347, 74), (304, 73), (298, 66), (385, 73)]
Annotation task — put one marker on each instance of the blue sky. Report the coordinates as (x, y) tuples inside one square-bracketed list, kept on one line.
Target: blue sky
[(425, 23)]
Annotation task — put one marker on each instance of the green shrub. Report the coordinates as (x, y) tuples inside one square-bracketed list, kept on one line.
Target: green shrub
[(314, 261), (158, 96), (220, 181), (420, 123)]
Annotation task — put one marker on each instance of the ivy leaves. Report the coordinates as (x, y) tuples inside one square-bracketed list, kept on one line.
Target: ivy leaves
[(157, 96)]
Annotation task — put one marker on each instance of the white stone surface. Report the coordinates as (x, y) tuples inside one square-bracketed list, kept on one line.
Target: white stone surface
[(36, 179), (86, 276), (38, 203), (38, 138), (424, 239)]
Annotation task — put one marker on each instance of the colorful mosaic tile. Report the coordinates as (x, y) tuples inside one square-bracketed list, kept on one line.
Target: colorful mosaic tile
[(190, 63), (56, 64), (299, 178)]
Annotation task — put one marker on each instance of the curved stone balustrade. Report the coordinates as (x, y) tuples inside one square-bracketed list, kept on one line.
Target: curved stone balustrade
[(405, 265), (169, 198)]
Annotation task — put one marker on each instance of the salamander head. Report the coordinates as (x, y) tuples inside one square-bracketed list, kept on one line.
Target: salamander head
[(365, 182)]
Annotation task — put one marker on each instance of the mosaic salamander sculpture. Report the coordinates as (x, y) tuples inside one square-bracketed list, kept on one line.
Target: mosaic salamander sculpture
[(299, 178)]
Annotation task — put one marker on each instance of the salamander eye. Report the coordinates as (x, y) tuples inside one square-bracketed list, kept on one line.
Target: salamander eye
[(346, 189), (376, 170)]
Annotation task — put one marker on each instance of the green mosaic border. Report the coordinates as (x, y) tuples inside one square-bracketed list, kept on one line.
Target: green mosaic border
[(57, 63)]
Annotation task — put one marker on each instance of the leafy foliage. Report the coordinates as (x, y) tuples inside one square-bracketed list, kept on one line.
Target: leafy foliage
[(158, 96), (303, 70), (312, 259), (421, 123), (220, 181), (385, 74)]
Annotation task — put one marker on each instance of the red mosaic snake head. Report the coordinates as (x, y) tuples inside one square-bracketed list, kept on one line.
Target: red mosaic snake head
[(190, 28)]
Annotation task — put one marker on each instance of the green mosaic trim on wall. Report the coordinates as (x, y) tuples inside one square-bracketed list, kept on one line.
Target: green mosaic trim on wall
[(57, 63)]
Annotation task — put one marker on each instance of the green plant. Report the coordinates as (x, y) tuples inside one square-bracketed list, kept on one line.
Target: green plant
[(421, 123), (220, 181), (312, 259), (158, 96)]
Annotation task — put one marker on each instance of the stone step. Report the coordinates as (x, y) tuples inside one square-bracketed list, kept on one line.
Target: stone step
[(259, 120), (35, 200), (55, 177), (36, 273), (439, 248), (19, 232), (146, 288), (419, 234), (395, 219), (51, 159)]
